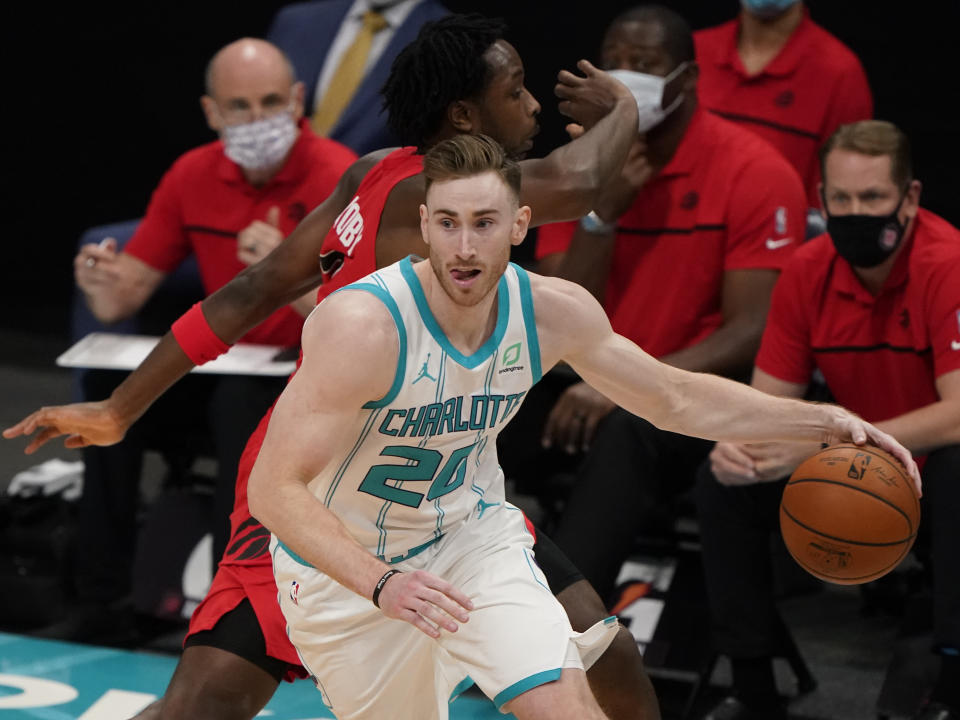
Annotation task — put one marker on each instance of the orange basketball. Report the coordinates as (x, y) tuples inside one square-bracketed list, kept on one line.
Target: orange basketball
[(849, 514)]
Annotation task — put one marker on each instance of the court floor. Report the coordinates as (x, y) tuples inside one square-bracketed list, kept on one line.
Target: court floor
[(48, 680)]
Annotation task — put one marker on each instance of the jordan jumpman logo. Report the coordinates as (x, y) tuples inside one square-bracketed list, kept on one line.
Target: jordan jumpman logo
[(424, 372)]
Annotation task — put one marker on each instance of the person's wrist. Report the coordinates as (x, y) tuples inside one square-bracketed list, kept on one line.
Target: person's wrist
[(381, 584), (595, 225)]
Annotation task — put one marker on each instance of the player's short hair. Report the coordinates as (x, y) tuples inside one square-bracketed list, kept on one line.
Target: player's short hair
[(467, 155), (873, 137), (677, 35), (443, 64)]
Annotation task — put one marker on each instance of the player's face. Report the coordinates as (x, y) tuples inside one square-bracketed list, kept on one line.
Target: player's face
[(858, 184), (469, 225), (507, 110)]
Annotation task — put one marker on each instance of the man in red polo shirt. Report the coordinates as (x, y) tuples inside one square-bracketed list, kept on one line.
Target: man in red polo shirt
[(874, 305), (781, 75), (228, 203), (707, 213)]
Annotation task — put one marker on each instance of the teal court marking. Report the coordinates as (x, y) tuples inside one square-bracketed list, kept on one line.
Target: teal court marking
[(48, 680)]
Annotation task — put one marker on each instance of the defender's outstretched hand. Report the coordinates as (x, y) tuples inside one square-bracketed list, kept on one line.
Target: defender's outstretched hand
[(90, 423), (586, 100), (425, 601)]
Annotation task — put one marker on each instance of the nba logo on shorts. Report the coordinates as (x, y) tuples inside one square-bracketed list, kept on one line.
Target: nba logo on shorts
[(294, 591)]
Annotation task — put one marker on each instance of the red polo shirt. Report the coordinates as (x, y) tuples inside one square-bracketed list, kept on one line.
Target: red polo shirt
[(725, 201), (814, 85), (203, 201), (880, 355)]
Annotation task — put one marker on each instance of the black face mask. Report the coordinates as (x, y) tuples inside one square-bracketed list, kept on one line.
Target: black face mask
[(865, 241)]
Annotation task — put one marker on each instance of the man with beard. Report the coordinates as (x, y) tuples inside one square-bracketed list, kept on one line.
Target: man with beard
[(459, 76)]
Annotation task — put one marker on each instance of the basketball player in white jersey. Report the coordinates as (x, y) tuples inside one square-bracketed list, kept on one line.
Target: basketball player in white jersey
[(401, 570)]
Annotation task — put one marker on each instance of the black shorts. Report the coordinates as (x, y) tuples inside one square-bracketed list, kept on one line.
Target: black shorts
[(238, 632), (560, 572)]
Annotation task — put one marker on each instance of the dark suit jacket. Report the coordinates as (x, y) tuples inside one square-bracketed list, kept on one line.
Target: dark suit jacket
[(305, 32)]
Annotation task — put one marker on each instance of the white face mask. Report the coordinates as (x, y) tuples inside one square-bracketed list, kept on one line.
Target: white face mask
[(261, 144), (648, 91)]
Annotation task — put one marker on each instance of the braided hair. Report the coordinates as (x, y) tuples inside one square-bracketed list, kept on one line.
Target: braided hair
[(443, 64)]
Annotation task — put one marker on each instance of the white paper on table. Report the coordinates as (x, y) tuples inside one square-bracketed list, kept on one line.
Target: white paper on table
[(116, 351)]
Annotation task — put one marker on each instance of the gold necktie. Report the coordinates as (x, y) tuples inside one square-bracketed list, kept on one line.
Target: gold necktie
[(346, 80)]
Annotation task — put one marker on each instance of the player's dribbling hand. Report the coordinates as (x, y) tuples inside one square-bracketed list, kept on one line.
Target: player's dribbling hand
[(847, 427), (425, 601), (91, 423), (587, 99)]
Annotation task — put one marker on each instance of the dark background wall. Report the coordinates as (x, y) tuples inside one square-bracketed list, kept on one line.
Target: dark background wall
[(99, 103)]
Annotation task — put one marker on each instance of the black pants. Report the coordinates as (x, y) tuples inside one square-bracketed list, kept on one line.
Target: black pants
[(202, 414), (630, 468), (735, 528)]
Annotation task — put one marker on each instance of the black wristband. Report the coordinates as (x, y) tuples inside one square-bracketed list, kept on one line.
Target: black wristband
[(380, 583)]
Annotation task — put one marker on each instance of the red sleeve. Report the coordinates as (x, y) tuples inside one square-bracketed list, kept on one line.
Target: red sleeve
[(160, 240), (785, 351), (943, 316), (766, 217), (554, 238)]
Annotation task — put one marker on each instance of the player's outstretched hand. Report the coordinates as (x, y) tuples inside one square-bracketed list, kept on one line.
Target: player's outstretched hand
[(587, 99), (848, 427), (425, 601), (90, 423)]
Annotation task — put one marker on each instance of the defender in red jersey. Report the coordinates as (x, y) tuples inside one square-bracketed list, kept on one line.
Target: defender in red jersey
[(874, 306), (226, 671)]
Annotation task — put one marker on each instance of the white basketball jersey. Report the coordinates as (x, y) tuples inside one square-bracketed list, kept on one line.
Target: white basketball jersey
[(423, 459)]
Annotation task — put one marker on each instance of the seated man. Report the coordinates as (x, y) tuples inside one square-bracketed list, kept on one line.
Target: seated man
[(701, 221), (782, 76), (361, 542), (875, 306), (229, 203)]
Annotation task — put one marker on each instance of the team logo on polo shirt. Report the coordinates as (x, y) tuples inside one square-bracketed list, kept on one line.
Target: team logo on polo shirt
[(690, 200), (297, 211), (349, 225), (784, 99)]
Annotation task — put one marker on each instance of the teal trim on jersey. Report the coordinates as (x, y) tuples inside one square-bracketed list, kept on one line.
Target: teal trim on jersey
[(461, 687), (386, 298), (528, 683), (529, 322), (484, 351), (281, 545), (412, 552), (532, 571)]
